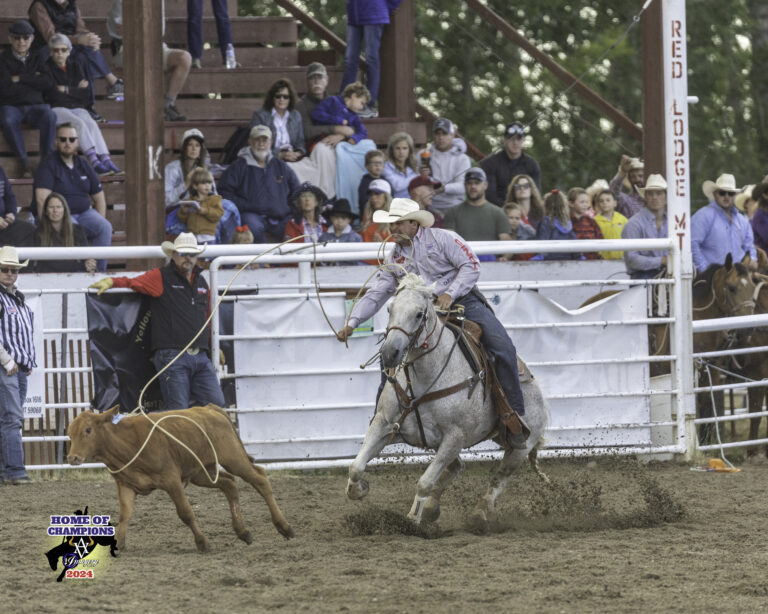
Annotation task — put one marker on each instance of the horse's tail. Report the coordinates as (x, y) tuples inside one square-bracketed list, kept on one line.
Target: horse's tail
[(533, 458)]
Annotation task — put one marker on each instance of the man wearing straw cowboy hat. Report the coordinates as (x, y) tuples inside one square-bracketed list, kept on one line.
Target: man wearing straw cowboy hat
[(443, 258), (650, 222), (719, 229), (180, 307), (17, 357)]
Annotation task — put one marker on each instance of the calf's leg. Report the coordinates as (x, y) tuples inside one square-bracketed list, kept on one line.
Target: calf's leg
[(226, 483), (126, 497), (175, 490)]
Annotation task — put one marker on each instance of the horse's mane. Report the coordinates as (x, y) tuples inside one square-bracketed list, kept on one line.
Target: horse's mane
[(411, 281), (702, 287)]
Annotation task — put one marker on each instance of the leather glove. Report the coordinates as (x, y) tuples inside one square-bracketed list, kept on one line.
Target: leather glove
[(102, 285)]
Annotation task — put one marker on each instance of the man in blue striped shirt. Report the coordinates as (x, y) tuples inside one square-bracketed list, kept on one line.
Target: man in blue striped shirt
[(719, 228), (17, 357)]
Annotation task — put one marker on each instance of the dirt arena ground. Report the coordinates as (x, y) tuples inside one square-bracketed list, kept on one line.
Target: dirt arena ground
[(608, 536)]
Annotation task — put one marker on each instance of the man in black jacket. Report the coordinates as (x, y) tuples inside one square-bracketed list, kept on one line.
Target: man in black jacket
[(502, 167), (180, 306), (21, 95)]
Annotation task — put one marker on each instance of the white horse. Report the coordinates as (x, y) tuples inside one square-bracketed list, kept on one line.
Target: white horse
[(455, 420)]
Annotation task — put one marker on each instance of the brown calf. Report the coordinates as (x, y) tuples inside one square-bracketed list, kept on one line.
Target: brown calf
[(165, 464)]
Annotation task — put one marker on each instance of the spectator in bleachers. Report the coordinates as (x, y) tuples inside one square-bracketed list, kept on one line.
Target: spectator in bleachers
[(68, 174), (523, 191), (341, 112), (281, 117), (203, 212), (556, 226), (648, 223), (374, 164), (611, 222), (176, 62), (365, 22), (379, 197), (760, 217), (12, 231), (476, 219), (719, 229), (502, 166), (307, 220), (400, 168), (745, 203), (446, 162), (340, 230), (56, 229), (584, 225), (223, 30), (69, 95), (21, 95), (631, 175), (193, 155), (422, 189), (50, 17), (260, 183), (17, 357), (519, 229)]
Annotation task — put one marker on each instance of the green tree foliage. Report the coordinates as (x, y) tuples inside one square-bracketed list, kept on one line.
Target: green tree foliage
[(467, 71)]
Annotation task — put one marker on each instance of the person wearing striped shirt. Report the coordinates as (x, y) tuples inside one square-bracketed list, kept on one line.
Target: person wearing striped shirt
[(17, 357)]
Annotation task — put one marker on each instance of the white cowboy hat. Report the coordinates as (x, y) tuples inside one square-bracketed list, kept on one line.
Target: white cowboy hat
[(636, 164), (185, 243), (741, 200), (725, 182), (10, 258), (401, 210), (654, 182)]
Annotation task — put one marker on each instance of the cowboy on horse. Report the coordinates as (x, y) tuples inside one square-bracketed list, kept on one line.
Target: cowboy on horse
[(443, 258)]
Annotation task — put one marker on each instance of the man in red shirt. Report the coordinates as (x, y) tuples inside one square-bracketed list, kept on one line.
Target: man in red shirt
[(180, 335)]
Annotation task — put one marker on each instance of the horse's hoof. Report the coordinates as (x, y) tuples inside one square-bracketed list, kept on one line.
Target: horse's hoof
[(478, 522), (357, 490), (202, 545), (431, 510), (414, 519), (246, 537)]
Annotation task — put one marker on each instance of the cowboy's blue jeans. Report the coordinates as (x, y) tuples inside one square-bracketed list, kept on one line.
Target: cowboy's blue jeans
[(190, 378), (13, 389), (498, 343)]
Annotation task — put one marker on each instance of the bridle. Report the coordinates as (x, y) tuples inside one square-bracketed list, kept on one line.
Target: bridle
[(414, 336)]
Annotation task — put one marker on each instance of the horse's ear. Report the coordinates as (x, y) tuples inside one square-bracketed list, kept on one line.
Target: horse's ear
[(746, 259), (728, 262)]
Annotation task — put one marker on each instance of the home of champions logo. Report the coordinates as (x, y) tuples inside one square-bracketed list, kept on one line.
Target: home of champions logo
[(80, 534)]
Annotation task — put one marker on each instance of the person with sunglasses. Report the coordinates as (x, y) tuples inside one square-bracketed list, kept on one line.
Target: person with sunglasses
[(21, 95), (70, 175), (719, 228), (17, 357), (180, 305), (69, 95), (279, 114)]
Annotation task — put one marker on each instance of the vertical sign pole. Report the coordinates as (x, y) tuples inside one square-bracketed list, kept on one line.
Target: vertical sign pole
[(679, 214)]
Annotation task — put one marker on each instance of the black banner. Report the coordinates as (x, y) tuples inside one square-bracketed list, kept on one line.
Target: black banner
[(119, 339)]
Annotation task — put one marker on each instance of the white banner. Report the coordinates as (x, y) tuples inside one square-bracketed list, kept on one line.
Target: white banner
[(312, 401), (33, 405)]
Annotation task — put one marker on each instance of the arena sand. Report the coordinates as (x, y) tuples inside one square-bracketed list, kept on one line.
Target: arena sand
[(609, 535)]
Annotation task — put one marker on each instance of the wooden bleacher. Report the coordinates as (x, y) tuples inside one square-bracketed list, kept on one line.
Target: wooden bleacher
[(215, 100)]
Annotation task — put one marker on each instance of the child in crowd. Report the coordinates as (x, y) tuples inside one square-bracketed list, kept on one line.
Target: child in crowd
[(611, 222), (583, 225), (379, 197), (341, 217), (374, 164), (202, 213), (520, 229), (556, 226)]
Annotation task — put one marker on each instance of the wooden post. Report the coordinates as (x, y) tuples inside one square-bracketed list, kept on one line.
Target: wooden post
[(653, 90), (396, 97), (144, 128)]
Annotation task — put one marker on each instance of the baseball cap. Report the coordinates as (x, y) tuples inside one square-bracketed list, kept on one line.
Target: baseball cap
[(380, 185), (258, 131), (515, 129), (193, 133), (446, 125), (21, 26), (316, 68), (476, 173)]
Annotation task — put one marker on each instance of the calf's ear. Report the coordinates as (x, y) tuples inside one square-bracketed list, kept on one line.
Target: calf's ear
[(109, 414)]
